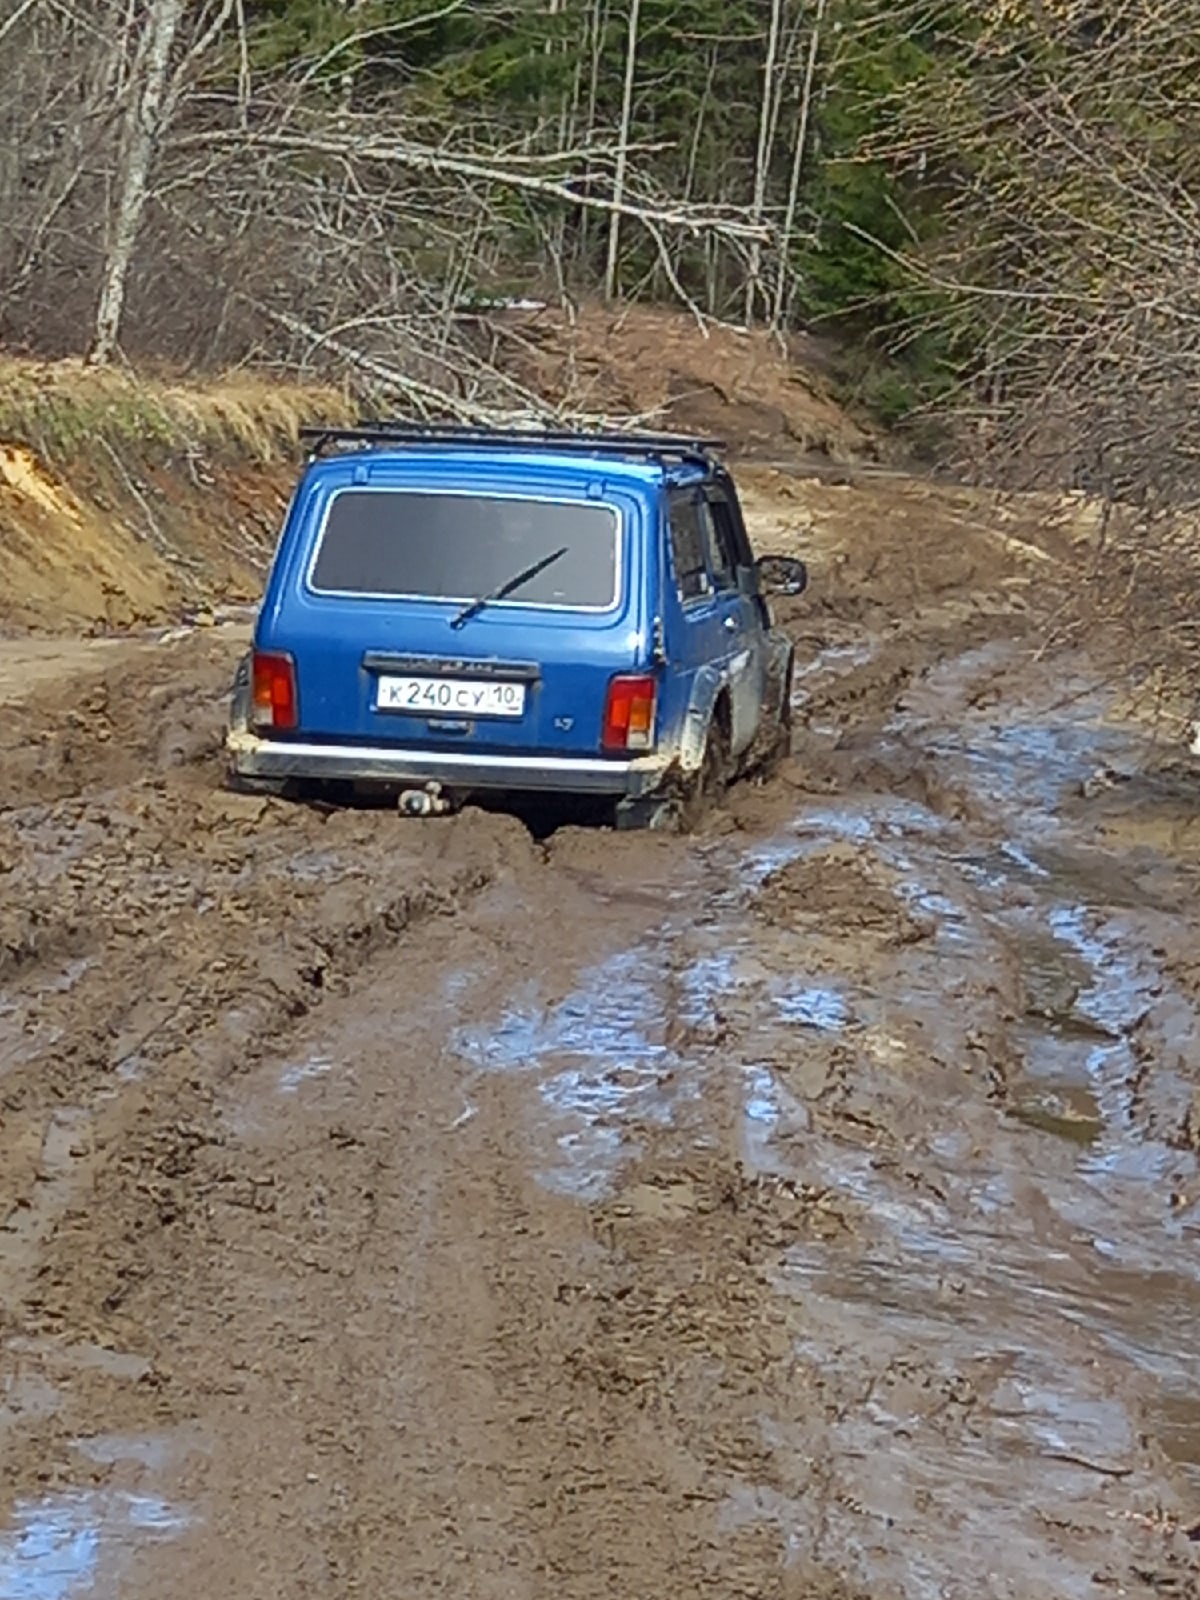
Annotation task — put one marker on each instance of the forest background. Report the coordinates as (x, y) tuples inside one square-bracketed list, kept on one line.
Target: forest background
[(989, 208)]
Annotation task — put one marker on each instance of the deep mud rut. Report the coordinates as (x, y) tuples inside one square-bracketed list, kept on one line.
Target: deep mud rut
[(807, 1208)]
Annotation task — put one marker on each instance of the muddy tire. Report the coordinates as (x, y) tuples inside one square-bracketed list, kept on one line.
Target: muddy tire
[(780, 747), (773, 746), (715, 774)]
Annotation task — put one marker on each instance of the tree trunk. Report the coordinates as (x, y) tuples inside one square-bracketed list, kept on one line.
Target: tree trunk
[(614, 224), (143, 125), (763, 157), (789, 219)]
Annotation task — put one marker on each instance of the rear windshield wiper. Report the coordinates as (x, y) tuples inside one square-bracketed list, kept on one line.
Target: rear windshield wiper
[(474, 607)]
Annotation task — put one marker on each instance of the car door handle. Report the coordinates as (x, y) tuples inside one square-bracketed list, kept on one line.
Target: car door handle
[(731, 624)]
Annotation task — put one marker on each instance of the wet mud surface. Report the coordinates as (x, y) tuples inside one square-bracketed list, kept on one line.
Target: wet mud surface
[(806, 1208)]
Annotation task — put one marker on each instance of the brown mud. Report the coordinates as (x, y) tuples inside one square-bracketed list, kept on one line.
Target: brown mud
[(805, 1208)]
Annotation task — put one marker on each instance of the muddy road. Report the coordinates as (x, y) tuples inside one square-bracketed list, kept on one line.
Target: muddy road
[(807, 1208)]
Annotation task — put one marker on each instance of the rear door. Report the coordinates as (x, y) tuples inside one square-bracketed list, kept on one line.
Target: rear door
[(745, 645), (387, 651)]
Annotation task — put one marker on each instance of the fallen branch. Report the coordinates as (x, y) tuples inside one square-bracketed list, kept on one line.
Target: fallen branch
[(432, 402), (442, 163)]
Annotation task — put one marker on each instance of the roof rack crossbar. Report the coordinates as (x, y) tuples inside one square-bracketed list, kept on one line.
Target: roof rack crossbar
[(607, 442)]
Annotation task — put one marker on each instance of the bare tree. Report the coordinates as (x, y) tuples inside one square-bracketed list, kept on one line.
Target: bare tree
[(799, 146), (183, 199), (762, 157), (146, 98), (614, 222)]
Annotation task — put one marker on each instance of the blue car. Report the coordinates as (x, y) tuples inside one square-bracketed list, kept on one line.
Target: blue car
[(455, 611)]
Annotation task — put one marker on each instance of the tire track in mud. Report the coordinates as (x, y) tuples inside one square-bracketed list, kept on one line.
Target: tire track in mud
[(552, 1245), (191, 904), (494, 1388), (154, 933)]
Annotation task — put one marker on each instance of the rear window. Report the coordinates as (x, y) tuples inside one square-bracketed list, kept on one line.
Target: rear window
[(458, 546)]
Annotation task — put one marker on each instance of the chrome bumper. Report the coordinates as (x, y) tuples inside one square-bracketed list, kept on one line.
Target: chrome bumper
[(276, 759)]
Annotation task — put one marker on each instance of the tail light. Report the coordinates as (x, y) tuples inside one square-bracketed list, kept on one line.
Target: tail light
[(629, 714), (274, 690)]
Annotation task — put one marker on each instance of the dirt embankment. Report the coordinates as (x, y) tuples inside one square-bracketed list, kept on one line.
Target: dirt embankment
[(762, 398), (126, 501)]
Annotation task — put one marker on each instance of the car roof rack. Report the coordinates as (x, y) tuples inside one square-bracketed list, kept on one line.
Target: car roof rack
[(653, 446)]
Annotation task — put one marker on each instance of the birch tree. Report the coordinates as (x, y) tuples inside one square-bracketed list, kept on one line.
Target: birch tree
[(144, 117), (623, 132), (799, 147), (762, 157)]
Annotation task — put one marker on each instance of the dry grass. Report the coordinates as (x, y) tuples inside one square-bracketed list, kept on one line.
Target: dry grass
[(125, 498), (62, 410)]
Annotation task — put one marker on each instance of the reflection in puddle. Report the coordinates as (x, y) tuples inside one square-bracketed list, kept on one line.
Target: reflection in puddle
[(1015, 1326), (55, 1549), (823, 1009), (147, 1449), (1114, 999), (839, 656), (606, 1048), (612, 1016), (762, 1099), (1016, 1298), (1030, 765), (1068, 1111), (706, 979), (298, 1072)]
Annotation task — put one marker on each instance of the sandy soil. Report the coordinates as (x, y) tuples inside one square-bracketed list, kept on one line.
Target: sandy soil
[(806, 1208)]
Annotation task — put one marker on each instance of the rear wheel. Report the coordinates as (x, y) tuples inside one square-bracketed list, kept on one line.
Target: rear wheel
[(774, 744), (268, 788), (711, 780)]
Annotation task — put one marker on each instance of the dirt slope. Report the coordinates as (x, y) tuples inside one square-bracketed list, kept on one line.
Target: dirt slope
[(128, 501), (763, 398)]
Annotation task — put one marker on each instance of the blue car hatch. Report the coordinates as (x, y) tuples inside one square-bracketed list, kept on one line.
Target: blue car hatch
[(465, 618)]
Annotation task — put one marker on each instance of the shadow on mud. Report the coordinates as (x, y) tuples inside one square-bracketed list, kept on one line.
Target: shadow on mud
[(542, 815)]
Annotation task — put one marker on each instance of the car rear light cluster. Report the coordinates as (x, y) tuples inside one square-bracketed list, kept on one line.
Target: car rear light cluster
[(629, 714), (274, 702)]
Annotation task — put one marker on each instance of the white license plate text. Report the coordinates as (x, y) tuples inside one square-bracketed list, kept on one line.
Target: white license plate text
[(451, 697)]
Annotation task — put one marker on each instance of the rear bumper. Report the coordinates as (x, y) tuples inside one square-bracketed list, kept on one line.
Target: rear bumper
[(277, 759)]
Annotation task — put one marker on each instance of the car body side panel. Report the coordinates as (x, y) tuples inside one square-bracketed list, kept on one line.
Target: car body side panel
[(696, 648), (744, 668)]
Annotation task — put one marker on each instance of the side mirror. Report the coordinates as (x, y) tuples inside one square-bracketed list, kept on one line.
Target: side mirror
[(782, 574)]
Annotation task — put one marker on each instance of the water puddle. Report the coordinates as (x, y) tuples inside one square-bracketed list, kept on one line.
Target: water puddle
[(824, 1009), (66, 1139), (120, 1364), (1008, 1350), (603, 1059), (300, 1072), (152, 1450), (68, 1544), (1065, 1109)]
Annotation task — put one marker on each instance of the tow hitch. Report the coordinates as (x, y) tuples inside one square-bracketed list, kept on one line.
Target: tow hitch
[(426, 802)]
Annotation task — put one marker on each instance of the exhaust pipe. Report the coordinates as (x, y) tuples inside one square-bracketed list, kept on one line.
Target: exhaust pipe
[(426, 802)]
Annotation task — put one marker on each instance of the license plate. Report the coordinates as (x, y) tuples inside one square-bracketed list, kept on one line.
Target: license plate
[(451, 697)]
